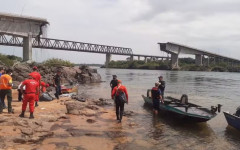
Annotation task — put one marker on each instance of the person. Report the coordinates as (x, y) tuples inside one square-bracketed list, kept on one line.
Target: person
[(156, 97), (6, 89), (162, 85), (36, 76), (44, 87), (2, 70), (19, 92), (114, 82), (57, 83), (119, 89), (29, 95)]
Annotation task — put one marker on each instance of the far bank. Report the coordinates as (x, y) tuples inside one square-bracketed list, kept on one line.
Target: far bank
[(185, 64)]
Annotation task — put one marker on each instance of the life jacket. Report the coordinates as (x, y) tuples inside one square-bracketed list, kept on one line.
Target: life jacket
[(155, 93)]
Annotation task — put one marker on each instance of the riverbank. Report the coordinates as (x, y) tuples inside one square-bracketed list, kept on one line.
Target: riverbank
[(59, 125), (184, 65)]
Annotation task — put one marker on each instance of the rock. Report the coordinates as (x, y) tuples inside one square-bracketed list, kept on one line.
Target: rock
[(20, 139), (27, 131), (92, 107), (88, 112), (128, 113), (91, 121), (64, 117), (74, 107)]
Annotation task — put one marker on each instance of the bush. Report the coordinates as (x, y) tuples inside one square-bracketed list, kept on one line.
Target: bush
[(58, 62)]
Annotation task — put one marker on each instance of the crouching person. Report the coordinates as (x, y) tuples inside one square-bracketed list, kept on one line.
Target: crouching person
[(31, 88)]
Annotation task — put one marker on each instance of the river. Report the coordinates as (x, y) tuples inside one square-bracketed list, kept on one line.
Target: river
[(163, 132)]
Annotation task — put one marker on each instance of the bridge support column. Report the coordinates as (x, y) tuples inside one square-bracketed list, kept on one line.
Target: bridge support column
[(208, 60), (174, 61), (198, 60), (138, 57), (27, 48), (131, 58), (145, 59), (108, 59)]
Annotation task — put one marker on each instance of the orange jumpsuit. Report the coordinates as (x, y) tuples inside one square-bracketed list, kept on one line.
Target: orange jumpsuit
[(30, 94), (36, 76)]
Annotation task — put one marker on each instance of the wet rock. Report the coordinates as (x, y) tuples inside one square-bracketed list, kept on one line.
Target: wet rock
[(91, 121), (128, 113), (79, 98)]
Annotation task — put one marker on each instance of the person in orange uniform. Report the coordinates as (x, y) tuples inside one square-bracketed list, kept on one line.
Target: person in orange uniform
[(36, 76), (31, 90), (44, 86), (119, 89), (6, 89)]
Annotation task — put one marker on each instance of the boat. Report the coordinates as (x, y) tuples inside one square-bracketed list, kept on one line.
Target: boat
[(233, 119), (182, 109)]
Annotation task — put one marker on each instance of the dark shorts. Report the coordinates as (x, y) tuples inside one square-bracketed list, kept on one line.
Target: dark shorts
[(156, 103)]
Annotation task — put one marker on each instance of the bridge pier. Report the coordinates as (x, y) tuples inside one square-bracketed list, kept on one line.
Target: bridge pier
[(27, 48), (108, 59), (131, 58), (138, 57), (145, 59), (198, 59), (174, 61)]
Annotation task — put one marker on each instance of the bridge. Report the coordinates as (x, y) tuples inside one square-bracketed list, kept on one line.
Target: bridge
[(202, 57), (26, 32)]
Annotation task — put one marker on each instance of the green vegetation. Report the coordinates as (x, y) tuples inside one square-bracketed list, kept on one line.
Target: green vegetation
[(8, 60), (139, 64), (185, 64), (57, 62)]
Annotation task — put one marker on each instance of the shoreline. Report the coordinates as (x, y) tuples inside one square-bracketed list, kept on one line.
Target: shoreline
[(54, 128)]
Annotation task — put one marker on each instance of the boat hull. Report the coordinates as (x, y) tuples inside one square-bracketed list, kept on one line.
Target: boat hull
[(182, 112), (232, 120)]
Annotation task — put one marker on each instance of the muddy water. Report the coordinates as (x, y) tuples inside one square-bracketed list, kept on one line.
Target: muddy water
[(164, 132)]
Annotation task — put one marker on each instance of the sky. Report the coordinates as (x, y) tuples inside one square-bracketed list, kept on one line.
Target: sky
[(211, 25)]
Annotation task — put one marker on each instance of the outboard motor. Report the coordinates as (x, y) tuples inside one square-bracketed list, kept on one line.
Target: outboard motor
[(184, 99), (219, 107), (238, 112)]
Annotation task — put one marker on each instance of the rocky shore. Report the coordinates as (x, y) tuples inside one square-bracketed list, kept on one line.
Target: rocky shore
[(63, 124), (76, 74)]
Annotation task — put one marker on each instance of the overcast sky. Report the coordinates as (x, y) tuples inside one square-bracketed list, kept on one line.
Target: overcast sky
[(212, 25)]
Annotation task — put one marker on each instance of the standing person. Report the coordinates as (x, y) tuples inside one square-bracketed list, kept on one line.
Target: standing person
[(2, 70), (156, 97), (20, 93), (117, 94), (162, 85), (6, 89), (36, 76), (29, 95), (114, 82), (57, 83)]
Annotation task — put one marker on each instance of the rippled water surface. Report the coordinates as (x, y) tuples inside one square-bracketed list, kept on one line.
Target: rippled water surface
[(164, 132)]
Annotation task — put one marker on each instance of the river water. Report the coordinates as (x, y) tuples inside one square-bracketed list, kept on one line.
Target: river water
[(164, 132)]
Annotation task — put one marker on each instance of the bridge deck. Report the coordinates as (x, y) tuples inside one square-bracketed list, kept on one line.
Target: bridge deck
[(175, 48)]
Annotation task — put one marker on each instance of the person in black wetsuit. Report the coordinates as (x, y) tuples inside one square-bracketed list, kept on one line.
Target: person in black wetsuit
[(156, 97), (162, 85), (57, 83), (114, 82)]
